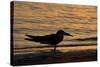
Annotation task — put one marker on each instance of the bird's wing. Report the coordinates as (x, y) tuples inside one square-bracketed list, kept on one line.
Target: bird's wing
[(46, 36), (31, 36), (49, 36), (41, 39)]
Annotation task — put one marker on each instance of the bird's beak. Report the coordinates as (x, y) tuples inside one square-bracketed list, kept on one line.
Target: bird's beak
[(67, 34)]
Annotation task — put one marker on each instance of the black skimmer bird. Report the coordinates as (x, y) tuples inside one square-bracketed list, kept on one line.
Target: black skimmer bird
[(52, 39)]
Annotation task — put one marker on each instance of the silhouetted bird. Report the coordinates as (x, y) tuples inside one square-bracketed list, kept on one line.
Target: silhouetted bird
[(52, 39)]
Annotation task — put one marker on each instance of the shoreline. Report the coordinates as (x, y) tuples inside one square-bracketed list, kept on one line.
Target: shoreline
[(60, 57)]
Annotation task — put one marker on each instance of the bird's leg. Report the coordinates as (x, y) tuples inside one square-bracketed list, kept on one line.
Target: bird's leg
[(54, 52)]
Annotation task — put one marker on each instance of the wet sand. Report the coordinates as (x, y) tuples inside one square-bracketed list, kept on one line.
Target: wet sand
[(63, 55)]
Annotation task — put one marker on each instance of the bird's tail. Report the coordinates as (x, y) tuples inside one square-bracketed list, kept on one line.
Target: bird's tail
[(29, 36), (33, 38)]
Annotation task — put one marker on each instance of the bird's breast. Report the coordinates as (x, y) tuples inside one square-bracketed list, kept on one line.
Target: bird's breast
[(55, 40)]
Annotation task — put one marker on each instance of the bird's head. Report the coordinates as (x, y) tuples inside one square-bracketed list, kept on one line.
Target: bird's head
[(61, 32)]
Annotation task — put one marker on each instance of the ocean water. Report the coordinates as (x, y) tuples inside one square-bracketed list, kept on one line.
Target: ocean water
[(41, 19)]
